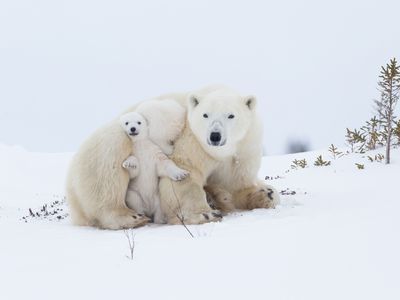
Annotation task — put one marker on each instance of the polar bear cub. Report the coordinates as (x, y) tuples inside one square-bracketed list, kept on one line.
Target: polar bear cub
[(145, 166)]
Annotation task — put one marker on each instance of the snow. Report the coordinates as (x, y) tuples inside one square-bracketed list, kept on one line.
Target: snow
[(334, 236)]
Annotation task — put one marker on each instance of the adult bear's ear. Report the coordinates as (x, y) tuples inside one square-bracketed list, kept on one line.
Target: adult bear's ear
[(250, 102), (193, 101)]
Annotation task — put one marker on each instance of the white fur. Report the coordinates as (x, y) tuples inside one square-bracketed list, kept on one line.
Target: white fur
[(98, 177), (231, 165), (97, 182), (142, 194), (165, 120), (223, 112)]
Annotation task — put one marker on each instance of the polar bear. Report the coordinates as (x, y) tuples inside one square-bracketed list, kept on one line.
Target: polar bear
[(221, 153), (97, 182), (221, 147), (142, 194)]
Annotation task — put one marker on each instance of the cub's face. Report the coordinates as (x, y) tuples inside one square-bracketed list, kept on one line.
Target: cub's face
[(220, 121), (134, 125)]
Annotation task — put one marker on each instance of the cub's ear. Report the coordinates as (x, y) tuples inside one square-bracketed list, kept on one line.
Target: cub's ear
[(122, 120), (250, 102), (193, 101)]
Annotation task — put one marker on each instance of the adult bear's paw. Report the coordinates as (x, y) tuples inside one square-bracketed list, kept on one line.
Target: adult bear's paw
[(123, 218), (264, 197), (258, 196), (197, 218)]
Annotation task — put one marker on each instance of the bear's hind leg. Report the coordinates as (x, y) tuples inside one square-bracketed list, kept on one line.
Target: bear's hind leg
[(134, 201), (75, 210), (158, 216)]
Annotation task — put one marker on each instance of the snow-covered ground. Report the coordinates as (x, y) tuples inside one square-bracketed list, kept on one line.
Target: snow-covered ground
[(336, 235)]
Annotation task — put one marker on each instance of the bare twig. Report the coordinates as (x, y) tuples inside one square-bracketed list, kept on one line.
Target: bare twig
[(181, 216), (131, 240)]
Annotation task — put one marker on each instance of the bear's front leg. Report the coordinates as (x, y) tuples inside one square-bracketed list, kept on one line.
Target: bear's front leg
[(258, 195), (219, 198), (185, 201)]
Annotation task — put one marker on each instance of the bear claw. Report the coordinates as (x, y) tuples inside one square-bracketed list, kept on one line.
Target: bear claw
[(217, 215)]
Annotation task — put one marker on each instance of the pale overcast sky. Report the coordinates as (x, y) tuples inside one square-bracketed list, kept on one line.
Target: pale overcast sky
[(67, 67)]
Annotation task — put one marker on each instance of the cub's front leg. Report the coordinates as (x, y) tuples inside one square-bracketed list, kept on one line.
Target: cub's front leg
[(131, 164), (167, 168)]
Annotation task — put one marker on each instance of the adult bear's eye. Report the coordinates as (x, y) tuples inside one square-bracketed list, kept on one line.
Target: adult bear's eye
[(231, 116), (126, 123), (139, 122), (205, 116)]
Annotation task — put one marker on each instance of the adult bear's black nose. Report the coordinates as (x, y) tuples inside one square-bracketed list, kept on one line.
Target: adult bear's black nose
[(215, 137), (133, 129)]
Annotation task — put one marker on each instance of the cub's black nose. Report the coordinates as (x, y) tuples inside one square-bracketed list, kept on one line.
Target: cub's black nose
[(133, 129), (215, 137)]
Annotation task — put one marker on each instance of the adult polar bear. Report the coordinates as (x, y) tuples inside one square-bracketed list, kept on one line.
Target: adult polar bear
[(221, 147), (219, 150)]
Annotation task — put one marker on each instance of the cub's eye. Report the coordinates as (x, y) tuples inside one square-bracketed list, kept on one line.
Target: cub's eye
[(139, 122), (231, 116), (205, 116), (126, 123)]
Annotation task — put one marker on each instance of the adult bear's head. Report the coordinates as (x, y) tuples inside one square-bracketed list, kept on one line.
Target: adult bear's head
[(220, 119)]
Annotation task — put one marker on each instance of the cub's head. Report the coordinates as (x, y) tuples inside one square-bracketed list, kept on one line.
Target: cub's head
[(134, 125), (220, 120)]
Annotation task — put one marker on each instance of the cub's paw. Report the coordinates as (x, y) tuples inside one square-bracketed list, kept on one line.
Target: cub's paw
[(131, 163), (177, 174)]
